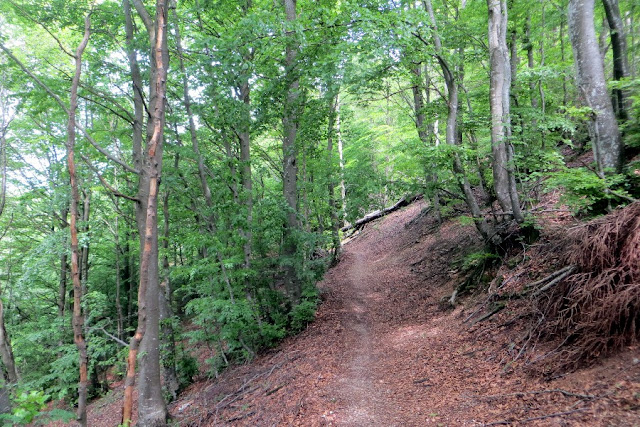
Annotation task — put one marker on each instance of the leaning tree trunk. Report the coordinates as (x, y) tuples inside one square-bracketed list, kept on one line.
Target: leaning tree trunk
[(592, 87), (620, 62), (290, 159), (503, 168), (78, 319)]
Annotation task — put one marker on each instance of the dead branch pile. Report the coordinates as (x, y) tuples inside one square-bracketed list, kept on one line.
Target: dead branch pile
[(595, 310)]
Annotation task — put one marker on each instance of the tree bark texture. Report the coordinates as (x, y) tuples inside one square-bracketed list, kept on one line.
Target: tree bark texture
[(500, 84), (592, 88), (290, 159), (78, 319), (152, 410)]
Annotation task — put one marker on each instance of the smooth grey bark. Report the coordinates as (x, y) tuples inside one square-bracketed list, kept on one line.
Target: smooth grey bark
[(618, 37), (500, 83), (592, 88), (290, 158)]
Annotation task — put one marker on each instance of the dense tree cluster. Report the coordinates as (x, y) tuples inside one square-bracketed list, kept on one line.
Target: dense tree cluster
[(175, 172)]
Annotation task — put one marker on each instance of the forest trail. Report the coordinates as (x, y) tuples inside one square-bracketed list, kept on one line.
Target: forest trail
[(383, 352)]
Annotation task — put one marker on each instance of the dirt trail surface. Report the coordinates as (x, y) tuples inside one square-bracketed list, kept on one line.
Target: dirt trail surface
[(384, 352)]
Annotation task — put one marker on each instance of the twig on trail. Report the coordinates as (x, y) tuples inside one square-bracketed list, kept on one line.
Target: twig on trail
[(239, 417), (541, 417), (496, 309), (554, 390), (273, 390)]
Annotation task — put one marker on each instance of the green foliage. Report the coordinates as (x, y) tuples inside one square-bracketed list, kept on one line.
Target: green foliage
[(478, 259), (585, 192), (28, 408)]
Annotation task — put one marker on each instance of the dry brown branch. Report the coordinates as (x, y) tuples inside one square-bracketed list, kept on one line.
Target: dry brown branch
[(541, 417), (535, 392)]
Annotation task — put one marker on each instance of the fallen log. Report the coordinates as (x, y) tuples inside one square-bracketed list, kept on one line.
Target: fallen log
[(378, 214)]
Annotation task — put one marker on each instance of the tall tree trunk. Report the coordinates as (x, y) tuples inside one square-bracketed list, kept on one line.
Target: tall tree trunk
[(247, 183), (620, 62), (118, 256), (331, 185), (290, 158), (6, 351), (210, 219), (78, 319), (84, 250), (531, 64), (343, 188), (62, 278), (418, 89), (503, 168), (152, 410), (166, 314), (453, 134), (245, 158), (607, 144)]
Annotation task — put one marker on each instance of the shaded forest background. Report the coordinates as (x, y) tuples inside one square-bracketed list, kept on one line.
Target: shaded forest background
[(178, 173)]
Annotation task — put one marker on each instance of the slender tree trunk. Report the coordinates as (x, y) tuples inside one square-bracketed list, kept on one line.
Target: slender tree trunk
[(453, 135), (247, 183), (331, 185), (245, 160), (607, 144), (78, 320), (290, 159), (210, 219), (119, 320), (343, 188), (6, 352), (62, 280), (531, 65), (84, 251), (503, 168), (166, 314), (620, 62), (418, 90), (565, 92)]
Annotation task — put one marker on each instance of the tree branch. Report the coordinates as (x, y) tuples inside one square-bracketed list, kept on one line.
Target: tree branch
[(64, 107)]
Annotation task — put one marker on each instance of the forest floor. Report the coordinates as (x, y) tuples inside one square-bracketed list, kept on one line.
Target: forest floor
[(384, 351)]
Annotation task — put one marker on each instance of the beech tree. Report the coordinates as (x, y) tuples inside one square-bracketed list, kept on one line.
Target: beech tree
[(604, 132), (504, 180)]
